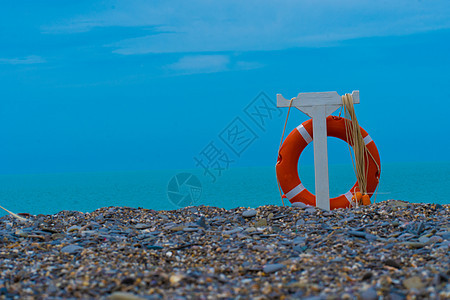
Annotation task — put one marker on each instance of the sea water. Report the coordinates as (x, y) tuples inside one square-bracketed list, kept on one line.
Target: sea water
[(248, 187)]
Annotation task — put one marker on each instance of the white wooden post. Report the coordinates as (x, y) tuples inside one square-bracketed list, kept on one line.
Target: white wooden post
[(319, 106)]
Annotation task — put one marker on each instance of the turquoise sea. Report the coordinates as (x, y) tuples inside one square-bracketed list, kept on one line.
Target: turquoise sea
[(250, 187)]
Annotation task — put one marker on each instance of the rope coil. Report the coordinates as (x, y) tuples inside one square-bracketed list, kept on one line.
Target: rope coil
[(360, 151)]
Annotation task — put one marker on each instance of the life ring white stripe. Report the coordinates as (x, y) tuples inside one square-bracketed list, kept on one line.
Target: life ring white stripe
[(305, 134), (348, 195), (367, 139), (295, 191)]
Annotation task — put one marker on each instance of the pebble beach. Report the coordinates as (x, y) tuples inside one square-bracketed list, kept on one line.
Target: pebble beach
[(388, 250)]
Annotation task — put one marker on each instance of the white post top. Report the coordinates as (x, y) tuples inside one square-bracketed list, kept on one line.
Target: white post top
[(305, 101), (318, 106), (310, 99)]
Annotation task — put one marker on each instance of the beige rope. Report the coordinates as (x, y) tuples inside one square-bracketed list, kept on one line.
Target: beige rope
[(14, 215), (360, 151), (355, 138), (285, 123), (281, 143)]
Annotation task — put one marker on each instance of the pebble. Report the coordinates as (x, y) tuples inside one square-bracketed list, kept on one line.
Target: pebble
[(388, 250), (250, 229), (202, 222), (124, 296), (71, 249), (300, 222), (260, 248), (369, 294), (414, 282), (235, 230), (154, 247), (392, 263), (357, 233), (396, 203), (310, 209), (396, 296), (299, 249), (261, 223), (190, 229), (249, 213), (73, 228), (271, 268), (299, 204), (424, 239), (299, 240), (440, 278), (435, 239), (21, 233), (142, 226), (177, 228), (414, 245), (175, 279)]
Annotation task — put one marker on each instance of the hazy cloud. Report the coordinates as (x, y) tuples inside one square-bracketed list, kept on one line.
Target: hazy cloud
[(210, 26), (248, 65), (28, 60), (194, 64), (201, 64)]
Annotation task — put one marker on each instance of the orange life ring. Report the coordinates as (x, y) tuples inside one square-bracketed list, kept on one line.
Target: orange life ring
[(293, 146)]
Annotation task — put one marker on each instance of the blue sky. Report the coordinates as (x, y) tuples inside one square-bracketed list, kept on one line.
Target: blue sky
[(127, 85)]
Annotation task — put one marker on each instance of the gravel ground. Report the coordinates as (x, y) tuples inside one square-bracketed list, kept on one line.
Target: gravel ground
[(389, 250)]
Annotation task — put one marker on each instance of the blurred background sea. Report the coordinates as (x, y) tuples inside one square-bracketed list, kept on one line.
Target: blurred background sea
[(417, 182)]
